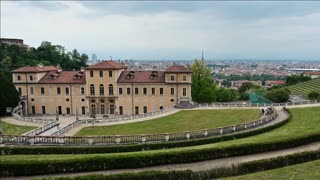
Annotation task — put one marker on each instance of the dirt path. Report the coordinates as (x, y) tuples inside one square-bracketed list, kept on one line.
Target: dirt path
[(196, 166)]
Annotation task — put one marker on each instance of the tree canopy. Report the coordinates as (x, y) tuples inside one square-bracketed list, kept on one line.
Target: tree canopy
[(9, 96), (14, 56), (202, 88)]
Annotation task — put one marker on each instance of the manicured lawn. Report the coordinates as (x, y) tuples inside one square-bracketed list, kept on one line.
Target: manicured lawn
[(305, 122), (15, 129), (309, 170), (186, 120)]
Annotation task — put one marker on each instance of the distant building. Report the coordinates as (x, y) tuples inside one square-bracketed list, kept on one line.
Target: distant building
[(94, 58), (239, 83), (269, 84), (11, 41), (313, 75)]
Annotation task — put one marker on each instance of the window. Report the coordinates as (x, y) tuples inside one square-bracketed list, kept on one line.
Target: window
[(120, 90), (19, 78), (82, 90), (161, 108), (145, 91), (184, 78), (58, 90), (101, 89), (20, 91), (128, 91), (33, 109), (59, 110), (111, 109), (31, 90), (102, 109), (136, 110), (83, 109), (67, 99), (172, 91), (172, 78), (120, 110), (32, 99), (67, 91), (145, 110), (161, 91), (93, 108), (101, 73), (110, 73), (171, 100), (31, 78), (82, 99), (110, 89), (92, 89), (43, 110), (184, 92), (68, 110), (91, 73), (153, 91), (42, 90), (136, 90)]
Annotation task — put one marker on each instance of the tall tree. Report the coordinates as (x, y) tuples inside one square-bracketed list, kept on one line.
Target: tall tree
[(9, 96), (202, 88)]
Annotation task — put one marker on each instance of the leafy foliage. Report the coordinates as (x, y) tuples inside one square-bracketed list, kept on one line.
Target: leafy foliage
[(13, 57), (313, 95), (294, 79), (278, 95), (9, 96)]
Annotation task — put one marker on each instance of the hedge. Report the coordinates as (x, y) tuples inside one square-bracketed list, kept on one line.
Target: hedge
[(243, 168), (134, 160), (14, 150)]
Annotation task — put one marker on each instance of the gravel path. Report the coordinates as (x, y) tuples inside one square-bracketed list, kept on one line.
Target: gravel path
[(196, 166)]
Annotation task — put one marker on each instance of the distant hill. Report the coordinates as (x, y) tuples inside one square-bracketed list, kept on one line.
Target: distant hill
[(304, 88)]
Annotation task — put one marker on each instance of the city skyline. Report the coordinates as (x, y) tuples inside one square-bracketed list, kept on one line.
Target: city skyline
[(170, 30)]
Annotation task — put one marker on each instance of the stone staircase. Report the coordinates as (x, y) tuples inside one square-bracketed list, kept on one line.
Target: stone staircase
[(186, 104)]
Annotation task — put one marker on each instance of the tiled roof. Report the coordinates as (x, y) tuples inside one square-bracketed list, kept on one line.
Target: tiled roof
[(64, 77), (141, 77), (278, 82), (312, 73), (178, 68), (35, 69), (107, 65)]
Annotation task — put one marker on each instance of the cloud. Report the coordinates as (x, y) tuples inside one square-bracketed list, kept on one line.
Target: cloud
[(142, 30)]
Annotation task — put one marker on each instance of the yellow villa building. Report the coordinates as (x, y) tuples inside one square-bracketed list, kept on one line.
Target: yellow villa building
[(104, 88)]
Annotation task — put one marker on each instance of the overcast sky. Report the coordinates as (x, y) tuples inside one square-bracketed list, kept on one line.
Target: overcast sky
[(170, 30)]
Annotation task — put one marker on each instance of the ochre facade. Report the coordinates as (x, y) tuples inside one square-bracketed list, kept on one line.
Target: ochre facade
[(103, 88)]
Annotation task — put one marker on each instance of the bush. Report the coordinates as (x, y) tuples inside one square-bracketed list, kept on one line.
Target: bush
[(243, 168), (313, 95), (278, 95)]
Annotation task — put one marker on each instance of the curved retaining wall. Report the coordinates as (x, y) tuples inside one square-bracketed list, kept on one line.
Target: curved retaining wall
[(134, 139)]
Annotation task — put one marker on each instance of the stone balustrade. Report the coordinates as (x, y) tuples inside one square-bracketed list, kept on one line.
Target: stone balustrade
[(55, 139), (257, 104), (42, 129), (67, 128)]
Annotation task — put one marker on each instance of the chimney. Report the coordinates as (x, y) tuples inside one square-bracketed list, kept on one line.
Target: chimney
[(81, 69), (59, 68)]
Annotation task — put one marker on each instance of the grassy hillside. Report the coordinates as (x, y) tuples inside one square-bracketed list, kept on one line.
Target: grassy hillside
[(304, 88)]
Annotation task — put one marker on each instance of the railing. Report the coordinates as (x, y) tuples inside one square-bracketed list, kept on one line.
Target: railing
[(67, 128), (257, 104), (16, 116), (127, 118), (133, 139), (42, 129)]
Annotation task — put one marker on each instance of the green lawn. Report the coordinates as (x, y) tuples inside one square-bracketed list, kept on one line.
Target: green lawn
[(13, 129), (309, 170), (185, 120), (305, 122)]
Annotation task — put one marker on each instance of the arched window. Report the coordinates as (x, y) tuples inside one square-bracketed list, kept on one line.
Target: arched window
[(101, 88), (91, 89), (110, 89)]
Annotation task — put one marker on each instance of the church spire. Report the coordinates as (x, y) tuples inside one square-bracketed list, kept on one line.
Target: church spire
[(202, 58)]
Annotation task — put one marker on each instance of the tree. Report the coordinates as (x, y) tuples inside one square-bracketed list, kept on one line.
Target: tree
[(278, 95), (202, 88), (294, 79), (227, 95), (9, 96), (313, 95), (247, 86)]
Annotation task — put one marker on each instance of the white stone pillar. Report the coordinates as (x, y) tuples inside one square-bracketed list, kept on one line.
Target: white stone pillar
[(167, 137), (188, 135), (143, 139), (221, 131), (205, 132), (90, 140), (118, 139)]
